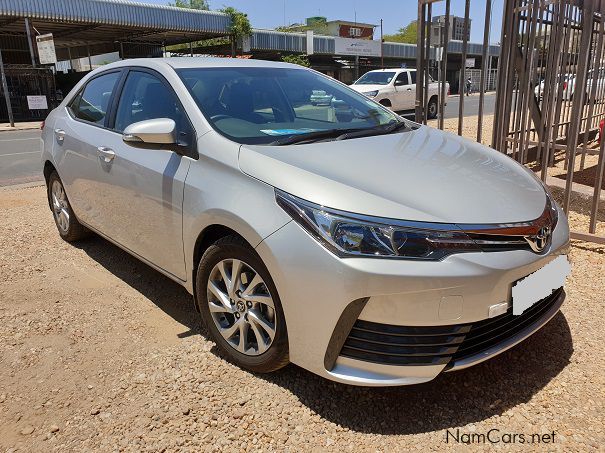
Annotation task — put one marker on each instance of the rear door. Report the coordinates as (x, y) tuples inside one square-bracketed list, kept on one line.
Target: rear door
[(409, 91), (142, 185), (77, 132)]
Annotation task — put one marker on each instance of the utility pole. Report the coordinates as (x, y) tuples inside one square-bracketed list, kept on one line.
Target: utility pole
[(6, 93), (381, 47), (29, 42)]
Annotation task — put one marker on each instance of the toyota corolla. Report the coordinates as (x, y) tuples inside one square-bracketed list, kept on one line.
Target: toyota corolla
[(337, 236)]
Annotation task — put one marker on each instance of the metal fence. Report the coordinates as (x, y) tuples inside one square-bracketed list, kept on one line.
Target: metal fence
[(550, 88), (22, 81)]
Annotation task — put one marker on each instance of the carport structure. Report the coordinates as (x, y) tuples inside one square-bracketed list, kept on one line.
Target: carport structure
[(83, 27)]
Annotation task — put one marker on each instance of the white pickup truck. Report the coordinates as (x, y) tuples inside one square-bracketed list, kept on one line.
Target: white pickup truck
[(396, 89)]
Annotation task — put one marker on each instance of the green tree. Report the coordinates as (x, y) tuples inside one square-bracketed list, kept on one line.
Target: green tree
[(191, 4), (407, 34), (301, 60), (240, 26)]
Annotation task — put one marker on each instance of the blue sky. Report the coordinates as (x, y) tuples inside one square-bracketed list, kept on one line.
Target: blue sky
[(395, 13)]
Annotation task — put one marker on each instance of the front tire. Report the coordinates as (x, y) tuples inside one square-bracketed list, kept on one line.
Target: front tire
[(69, 228), (240, 306)]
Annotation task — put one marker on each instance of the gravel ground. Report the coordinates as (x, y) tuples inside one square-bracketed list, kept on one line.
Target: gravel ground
[(99, 352)]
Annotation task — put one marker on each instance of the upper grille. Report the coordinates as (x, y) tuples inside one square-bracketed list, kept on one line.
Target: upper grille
[(438, 345)]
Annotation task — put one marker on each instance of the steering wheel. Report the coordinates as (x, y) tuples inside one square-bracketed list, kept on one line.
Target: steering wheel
[(280, 117), (220, 116)]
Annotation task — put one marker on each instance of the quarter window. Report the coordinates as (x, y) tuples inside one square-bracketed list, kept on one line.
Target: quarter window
[(92, 103)]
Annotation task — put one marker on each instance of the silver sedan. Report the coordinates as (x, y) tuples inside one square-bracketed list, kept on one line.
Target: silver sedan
[(361, 246)]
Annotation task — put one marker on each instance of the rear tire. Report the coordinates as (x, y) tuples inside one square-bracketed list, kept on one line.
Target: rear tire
[(432, 109), (69, 228), (250, 317)]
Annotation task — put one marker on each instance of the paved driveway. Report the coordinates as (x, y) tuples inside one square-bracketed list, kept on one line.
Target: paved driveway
[(20, 157)]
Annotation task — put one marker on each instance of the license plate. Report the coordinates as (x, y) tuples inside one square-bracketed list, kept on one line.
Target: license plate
[(540, 284)]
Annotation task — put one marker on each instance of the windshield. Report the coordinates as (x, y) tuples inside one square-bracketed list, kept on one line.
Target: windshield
[(375, 78), (262, 105)]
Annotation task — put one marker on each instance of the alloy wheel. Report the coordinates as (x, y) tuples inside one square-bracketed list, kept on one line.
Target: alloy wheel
[(241, 307), (60, 206)]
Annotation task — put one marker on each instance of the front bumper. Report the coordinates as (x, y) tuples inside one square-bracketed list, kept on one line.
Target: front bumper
[(318, 289)]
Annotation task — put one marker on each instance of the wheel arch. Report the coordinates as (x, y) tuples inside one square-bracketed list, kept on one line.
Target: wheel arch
[(385, 102), (205, 238), (47, 171)]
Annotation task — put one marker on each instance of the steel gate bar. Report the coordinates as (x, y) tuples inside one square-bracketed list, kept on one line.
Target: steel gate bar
[(572, 139), (427, 51), (420, 106), (446, 31), (483, 88), (462, 75)]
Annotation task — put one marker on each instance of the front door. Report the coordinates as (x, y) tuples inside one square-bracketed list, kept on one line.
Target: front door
[(142, 187)]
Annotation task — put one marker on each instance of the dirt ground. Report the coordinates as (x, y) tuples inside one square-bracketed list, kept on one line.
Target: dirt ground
[(99, 352)]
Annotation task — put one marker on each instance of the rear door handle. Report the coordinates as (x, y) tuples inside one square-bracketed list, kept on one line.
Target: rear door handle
[(106, 154), (60, 135)]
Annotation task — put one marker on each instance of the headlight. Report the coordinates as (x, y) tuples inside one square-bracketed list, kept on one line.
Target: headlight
[(352, 235), (371, 94)]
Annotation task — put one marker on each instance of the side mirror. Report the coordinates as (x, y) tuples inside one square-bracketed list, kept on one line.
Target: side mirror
[(399, 83), (158, 131)]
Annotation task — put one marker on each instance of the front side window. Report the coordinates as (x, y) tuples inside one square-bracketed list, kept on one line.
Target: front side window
[(92, 103), (376, 78), (402, 79), (261, 105), (145, 97)]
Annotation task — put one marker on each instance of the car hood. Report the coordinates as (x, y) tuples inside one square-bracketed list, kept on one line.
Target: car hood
[(367, 88), (424, 175)]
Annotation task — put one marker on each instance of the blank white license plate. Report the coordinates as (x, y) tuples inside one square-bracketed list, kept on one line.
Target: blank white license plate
[(540, 284)]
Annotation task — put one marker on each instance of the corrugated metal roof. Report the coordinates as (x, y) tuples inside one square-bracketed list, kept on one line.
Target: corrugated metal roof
[(278, 40), (297, 42), (120, 13)]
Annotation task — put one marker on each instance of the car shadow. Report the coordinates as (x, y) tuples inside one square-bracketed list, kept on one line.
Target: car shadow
[(166, 294), (451, 400)]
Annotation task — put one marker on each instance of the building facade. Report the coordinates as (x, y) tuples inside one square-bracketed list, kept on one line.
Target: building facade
[(455, 32)]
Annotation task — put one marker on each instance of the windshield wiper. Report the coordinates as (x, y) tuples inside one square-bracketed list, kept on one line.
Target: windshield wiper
[(312, 136), (382, 130), (342, 134)]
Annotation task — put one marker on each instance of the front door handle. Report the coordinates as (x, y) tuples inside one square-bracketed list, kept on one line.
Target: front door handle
[(106, 154), (409, 89), (60, 135)]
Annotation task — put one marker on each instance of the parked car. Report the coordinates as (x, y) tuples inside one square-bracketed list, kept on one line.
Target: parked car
[(319, 97), (361, 246), (396, 89), (560, 79), (569, 86), (599, 94)]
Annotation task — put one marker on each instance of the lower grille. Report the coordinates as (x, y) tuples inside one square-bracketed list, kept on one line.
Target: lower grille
[(438, 345)]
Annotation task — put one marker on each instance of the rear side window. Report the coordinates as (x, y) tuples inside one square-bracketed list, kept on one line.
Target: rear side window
[(412, 77), (91, 104)]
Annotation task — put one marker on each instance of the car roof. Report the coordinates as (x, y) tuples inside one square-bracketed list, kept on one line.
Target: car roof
[(393, 69), (201, 62)]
